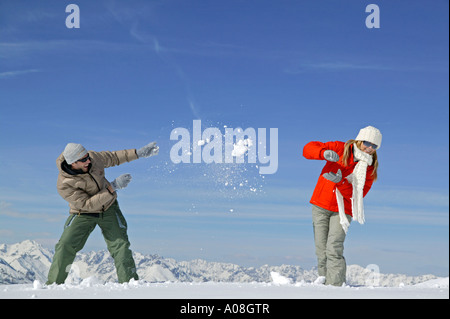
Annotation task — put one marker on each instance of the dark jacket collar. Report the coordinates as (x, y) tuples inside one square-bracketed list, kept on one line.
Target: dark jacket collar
[(68, 169)]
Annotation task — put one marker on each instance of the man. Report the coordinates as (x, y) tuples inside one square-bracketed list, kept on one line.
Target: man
[(93, 201)]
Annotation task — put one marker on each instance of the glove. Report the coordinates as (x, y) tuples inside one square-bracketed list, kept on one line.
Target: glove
[(334, 177), (148, 150), (331, 156), (121, 181)]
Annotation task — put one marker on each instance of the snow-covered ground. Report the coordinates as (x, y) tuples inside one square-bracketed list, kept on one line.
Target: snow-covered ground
[(92, 288), (24, 267)]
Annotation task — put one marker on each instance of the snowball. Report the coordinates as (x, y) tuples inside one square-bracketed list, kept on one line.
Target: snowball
[(279, 279)]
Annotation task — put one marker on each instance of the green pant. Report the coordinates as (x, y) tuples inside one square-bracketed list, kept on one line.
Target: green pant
[(76, 232), (329, 239)]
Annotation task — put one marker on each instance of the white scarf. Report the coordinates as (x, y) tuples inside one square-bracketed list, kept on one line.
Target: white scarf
[(357, 178)]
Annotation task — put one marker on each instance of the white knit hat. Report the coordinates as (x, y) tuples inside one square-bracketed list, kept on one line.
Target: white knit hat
[(73, 152), (370, 134)]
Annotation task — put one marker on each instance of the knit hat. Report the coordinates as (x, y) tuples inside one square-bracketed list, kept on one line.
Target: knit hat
[(73, 152), (370, 134)]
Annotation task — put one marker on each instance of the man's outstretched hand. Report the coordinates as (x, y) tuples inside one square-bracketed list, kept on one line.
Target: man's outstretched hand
[(148, 150)]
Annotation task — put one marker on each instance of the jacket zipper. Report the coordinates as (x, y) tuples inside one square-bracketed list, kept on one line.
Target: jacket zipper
[(98, 186)]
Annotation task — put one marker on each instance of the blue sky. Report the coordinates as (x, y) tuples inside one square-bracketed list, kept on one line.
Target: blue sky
[(136, 70)]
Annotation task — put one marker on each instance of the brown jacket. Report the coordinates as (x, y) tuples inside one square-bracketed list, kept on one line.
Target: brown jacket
[(87, 192)]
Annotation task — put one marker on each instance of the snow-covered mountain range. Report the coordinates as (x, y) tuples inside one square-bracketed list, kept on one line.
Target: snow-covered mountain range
[(27, 261)]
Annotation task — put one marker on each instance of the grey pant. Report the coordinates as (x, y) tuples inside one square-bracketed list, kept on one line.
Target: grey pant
[(329, 239)]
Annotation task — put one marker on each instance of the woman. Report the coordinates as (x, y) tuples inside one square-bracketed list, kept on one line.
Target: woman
[(347, 177)]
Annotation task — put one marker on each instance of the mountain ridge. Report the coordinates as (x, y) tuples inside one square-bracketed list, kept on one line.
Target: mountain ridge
[(27, 261)]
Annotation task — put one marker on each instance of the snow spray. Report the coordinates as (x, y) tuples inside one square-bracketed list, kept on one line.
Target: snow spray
[(231, 147)]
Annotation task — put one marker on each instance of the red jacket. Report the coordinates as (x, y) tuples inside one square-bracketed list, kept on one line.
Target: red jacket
[(324, 194)]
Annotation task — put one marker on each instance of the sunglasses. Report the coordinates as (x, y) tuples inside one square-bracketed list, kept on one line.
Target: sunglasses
[(84, 159), (368, 144)]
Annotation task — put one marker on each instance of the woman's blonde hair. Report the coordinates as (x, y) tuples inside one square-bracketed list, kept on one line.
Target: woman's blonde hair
[(348, 151)]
